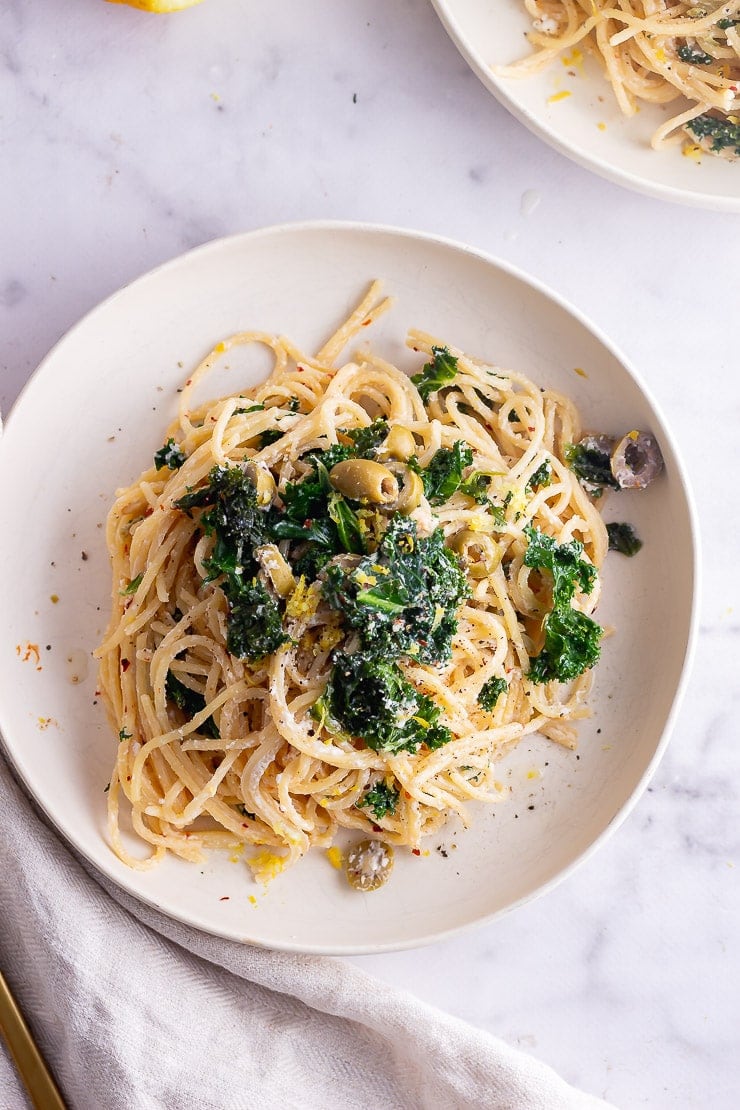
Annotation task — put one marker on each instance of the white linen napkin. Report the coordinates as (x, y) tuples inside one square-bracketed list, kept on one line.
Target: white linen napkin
[(136, 1012)]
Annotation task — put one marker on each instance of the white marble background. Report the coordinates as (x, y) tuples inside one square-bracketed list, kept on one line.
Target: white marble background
[(127, 138)]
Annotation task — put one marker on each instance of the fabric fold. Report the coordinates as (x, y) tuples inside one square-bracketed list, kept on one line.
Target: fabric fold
[(134, 1010)]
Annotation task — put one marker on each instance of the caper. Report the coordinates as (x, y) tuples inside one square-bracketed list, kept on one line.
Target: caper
[(364, 480), (369, 864)]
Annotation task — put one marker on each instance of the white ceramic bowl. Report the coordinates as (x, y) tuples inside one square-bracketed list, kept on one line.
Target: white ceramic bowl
[(587, 126), (90, 420)]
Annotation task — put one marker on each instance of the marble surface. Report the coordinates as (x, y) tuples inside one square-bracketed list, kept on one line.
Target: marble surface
[(127, 138)]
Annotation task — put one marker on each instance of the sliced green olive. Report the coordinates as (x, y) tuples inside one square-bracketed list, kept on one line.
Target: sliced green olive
[(275, 566), (411, 489), (479, 553), (399, 444), (369, 864), (262, 480), (364, 480)]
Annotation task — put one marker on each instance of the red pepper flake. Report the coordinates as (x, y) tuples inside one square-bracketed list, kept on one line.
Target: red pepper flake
[(149, 511), (29, 653), (189, 381), (125, 664), (224, 898), (300, 369), (530, 429), (415, 852), (366, 323)]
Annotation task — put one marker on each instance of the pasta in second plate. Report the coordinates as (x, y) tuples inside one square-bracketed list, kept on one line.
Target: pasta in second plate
[(657, 51), (340, 596)]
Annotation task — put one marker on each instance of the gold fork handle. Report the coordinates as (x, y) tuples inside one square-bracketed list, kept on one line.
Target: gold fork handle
[(33, 1071)]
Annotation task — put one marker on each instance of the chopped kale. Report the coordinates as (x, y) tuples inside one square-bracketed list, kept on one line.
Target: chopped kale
[(245, 812), (623, 538), (571, 637), (381, 798), (370, 699), (123, 735), (444, 473), (252, 408), (435, 374), (723, 133), (694, 57), (476, 486), (491, 692), (320, 518), (589, 464), (255, 626), (367, 440), (541, 477), (234, 517), (190, 702), (272, 435), (402, 599), (294, 404), (132, 586), (725, 24), (347, 524), (170, 456)]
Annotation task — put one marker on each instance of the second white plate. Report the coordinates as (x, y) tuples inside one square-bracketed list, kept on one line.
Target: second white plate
[(587, 125)]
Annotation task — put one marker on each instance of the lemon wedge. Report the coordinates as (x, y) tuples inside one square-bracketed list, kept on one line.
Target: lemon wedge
[(158, 5)]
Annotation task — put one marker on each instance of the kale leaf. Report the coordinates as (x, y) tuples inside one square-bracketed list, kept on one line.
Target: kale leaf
[(694, 57), (367, 440), (369, 698), (271, 435), (347, 524), (319, 517), (381, 798), (476, 486), (541, 477), (623, 538), (132, 586), (571, 637), (444, 474), (491, 692), (402, 599), (723, 132), (435, 374), (590, 465), (170, 456), (254, 626), (191, 703)]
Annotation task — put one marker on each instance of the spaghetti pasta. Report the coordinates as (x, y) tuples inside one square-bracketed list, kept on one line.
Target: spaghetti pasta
[(230, 738), (655, 51)]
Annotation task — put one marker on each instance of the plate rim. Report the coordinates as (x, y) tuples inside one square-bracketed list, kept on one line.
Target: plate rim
[(511, 270), (591, 162)]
